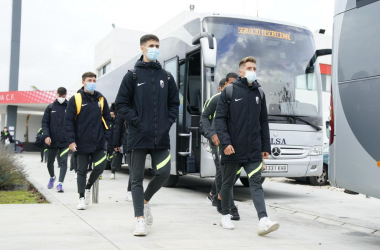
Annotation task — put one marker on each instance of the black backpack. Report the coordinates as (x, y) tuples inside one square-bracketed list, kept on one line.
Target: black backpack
[(39, 140)]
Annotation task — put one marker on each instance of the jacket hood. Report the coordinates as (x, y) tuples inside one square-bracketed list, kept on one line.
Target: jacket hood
[(141, 64), (96, 93), (244, 83)]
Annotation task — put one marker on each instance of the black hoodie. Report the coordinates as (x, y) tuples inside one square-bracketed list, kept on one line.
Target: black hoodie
[(87, 131), (53, 124), (149, 104), (243, 123)]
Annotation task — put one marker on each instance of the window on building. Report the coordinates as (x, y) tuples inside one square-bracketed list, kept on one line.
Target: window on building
[(104, 69)]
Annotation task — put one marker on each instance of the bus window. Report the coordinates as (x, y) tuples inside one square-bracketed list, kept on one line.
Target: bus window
[(194, 84)]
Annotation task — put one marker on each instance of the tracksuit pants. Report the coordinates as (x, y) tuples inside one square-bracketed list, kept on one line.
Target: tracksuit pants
[(99, 163), (44, 152), (73, 162), (62, 161), (253, 170), (161, 167), (217, 184)]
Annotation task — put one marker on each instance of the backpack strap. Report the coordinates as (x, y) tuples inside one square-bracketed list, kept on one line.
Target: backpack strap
[(78, 103), (101, 101), (229, 92), (168, 74), (261, 93), (134, 75)]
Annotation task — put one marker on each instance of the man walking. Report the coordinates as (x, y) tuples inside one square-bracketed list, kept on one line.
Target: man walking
[(148, 100), (241, 123), (207, 118), (86, 125), (53, 131)]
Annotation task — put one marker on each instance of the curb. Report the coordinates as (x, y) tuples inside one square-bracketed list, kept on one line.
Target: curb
[(49, 197), (329, 221)]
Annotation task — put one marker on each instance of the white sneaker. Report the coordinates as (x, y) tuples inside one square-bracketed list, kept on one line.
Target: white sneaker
[(140, 229), (76, 176), (226, 222), (81, 204), (72, 172), (112, 176), (87, 194), (148, 215), (267, 226), (129, 196)]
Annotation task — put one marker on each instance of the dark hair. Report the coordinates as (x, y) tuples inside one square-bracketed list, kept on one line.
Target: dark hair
[(222, 82), (245, 60), (148, 37), (231, 75), (112, 108), (88, 74), (61, 91)]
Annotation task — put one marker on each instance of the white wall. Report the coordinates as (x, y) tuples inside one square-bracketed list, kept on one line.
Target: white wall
[(116, 47), (34, 126)]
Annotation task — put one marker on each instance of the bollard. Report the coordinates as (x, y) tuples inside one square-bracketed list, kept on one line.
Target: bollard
[(95, 192)]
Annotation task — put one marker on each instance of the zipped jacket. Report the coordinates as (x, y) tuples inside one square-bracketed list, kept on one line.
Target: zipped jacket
[(243, 123), (150, 105)]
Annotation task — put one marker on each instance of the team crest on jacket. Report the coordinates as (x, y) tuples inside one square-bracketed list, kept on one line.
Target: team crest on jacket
[(257, 99), (162, 84)]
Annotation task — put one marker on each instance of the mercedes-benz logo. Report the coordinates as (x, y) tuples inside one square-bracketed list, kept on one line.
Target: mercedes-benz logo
[(276, 151)]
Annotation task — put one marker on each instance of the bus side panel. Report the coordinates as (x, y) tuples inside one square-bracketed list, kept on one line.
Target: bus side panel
[(355, 168)]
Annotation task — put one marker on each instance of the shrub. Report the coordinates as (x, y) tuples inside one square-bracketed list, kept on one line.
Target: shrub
[(12, 172)]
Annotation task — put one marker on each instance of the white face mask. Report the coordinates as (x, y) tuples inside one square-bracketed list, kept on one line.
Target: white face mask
[(61, 100)]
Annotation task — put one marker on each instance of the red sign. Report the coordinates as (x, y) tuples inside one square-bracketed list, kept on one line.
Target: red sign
[(44, 97)]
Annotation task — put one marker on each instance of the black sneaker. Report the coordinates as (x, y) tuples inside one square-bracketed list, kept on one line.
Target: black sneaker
[(214, 201), (234, 213), (219, 205), (210, 198), (42, 160)]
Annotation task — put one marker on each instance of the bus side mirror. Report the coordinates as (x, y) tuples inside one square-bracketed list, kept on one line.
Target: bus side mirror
[(208, 47)]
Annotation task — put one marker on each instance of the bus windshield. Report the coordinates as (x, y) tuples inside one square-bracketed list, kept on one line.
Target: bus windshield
[(292, 86)]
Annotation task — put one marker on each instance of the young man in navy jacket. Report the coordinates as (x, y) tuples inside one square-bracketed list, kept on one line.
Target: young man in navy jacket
[(86, 126), (241, 124), (53, 131), (148, 99)]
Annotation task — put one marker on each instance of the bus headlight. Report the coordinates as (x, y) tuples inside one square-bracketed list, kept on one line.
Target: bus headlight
[(316, 150), (206, 146)]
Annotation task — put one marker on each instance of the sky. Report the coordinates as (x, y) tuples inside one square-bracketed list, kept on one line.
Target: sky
[(58, 37)]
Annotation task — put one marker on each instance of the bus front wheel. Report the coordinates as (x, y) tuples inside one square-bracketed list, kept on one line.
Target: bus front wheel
[(172, 181), (245, 182)]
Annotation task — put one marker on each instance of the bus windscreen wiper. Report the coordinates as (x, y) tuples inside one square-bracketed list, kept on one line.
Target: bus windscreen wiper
[(297, 117)]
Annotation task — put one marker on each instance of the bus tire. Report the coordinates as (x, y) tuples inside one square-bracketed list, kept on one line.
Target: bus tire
[(245, 182), (172, 181), (320, 180)]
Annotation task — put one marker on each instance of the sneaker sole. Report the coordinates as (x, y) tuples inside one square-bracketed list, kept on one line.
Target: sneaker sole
[(229, 228), (273, 228), (81, 208), (140, 233), (208, 198)]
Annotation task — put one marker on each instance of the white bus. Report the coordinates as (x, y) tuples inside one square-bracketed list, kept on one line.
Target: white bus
[(354, 162), (200, 51)]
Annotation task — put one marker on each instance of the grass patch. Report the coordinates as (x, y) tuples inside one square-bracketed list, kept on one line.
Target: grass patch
[(14, 188)]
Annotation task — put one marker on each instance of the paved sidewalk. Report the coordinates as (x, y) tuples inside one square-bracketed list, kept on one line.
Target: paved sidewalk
[(183, 219)]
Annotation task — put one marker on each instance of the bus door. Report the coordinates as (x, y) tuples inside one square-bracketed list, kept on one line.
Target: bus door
[(172, 65), (188, 136)]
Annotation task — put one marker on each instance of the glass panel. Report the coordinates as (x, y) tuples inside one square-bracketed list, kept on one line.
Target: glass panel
[(359, 48), (181, 90), (171, 66), (282, 53)]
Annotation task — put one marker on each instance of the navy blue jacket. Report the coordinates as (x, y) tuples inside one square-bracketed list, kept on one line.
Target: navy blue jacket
[(243, 123), (87, 131), (149, 104), (53, 124)]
